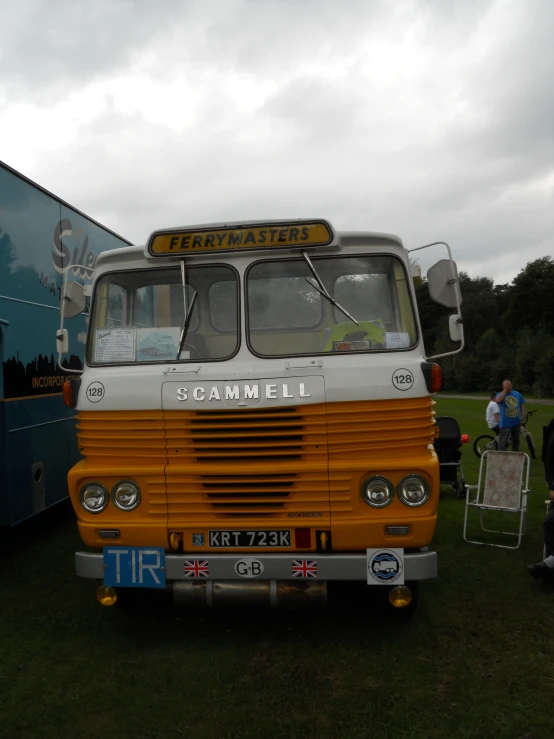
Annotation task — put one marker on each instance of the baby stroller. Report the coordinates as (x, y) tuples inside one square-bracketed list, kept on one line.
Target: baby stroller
[(447, 446)]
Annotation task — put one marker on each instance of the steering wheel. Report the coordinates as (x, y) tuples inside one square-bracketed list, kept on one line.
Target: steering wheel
[(190, 348)]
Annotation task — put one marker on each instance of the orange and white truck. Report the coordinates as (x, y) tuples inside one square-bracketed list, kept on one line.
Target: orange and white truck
[(255, 415)]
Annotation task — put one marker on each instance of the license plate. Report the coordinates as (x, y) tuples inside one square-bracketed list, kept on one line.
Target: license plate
[(134, 567), (221, 539)]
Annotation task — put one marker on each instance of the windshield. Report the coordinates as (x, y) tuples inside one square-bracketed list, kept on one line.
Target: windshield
[(288, 315), (138, 316)]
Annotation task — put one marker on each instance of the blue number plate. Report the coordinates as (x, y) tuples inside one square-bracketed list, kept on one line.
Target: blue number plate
[(134, 567)]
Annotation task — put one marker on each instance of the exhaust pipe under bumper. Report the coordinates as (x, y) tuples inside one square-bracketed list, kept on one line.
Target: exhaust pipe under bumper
[(273, 593)]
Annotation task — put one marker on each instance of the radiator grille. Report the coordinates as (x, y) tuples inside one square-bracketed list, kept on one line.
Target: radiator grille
[(269, 435), (120, 436), (268, 491), (261, 458), (382, 427), (245, 464)]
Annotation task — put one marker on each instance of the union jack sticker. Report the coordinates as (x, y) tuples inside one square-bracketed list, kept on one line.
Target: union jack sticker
[(304, 568), (196, 568)]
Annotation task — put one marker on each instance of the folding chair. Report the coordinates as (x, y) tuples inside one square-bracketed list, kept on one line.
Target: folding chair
[(500, 488)]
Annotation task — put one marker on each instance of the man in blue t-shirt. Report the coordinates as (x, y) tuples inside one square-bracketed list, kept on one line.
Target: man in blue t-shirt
[(512, 409)]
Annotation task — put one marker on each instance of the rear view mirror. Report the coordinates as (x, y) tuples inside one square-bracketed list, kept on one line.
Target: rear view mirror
[(455, 327), (73, 299), (62, 342), (442, 280)]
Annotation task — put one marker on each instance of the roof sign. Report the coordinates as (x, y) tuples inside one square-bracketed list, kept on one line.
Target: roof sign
[(272, 235)]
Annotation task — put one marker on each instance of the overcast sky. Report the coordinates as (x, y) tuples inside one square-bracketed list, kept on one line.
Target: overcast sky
[(431, 119)]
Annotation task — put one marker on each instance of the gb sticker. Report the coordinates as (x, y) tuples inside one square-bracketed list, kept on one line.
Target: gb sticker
[(402, 379), (95, 392), (249, 567)]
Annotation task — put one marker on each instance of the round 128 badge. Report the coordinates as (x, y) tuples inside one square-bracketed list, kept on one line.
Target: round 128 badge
[(385, 566), (95, 392)]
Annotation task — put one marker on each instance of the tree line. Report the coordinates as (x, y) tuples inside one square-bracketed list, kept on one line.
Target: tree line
[(509, 332)]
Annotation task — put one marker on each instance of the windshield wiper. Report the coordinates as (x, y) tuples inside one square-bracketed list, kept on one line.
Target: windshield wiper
[(320, 287), (188, 310)]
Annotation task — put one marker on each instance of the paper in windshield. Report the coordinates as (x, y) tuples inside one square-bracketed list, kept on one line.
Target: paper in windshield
[(397, 340), (157, 344), (114, 345)]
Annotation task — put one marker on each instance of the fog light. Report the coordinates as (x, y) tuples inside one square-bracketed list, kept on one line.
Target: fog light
[(400, 597), (105, 595), (175, 541), (397, 530)]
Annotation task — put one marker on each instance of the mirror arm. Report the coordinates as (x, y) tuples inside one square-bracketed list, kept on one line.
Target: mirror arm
[(453, 279), (446, 354), (449, 354), (68, 370), (60, 333), (59, 336)]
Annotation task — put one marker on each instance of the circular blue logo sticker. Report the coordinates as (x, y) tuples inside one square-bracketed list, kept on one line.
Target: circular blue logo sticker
[(385, 567)]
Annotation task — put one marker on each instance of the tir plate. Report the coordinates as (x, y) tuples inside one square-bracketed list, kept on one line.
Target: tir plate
[(245, 539), (134, 567)]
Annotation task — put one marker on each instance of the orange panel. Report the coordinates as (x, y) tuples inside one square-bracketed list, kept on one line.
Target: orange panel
[(260, 468)]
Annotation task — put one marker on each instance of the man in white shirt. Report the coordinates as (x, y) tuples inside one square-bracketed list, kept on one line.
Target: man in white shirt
[(493, 414)]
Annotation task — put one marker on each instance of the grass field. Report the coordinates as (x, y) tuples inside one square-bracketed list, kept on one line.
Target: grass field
[(529, 399), (475, 661)]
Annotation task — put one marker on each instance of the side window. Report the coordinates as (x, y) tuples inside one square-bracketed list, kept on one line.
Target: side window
[(406, 314), (117, 305), (112, 306), (144, 307), (223, 305)]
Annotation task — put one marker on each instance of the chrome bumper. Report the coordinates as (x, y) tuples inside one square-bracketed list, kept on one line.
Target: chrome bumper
[(343, 567)]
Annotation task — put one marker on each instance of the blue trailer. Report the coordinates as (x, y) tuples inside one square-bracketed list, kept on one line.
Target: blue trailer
[(41, 238)]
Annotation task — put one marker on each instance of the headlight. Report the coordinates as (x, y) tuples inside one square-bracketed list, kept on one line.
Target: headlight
[(413, 490), (126, 495), (377, 491), (94, 497)]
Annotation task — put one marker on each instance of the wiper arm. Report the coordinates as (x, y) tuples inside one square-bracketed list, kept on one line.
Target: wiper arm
[(187, 308), (186, 325), (320, 287)]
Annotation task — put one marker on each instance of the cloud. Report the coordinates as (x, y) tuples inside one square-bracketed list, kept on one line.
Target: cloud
[(421, 118), (48, 48)]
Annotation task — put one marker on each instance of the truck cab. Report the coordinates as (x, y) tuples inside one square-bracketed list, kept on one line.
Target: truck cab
[(256, 416)]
